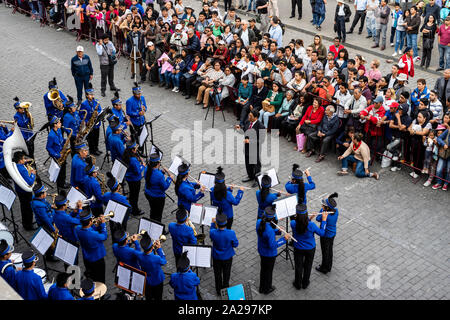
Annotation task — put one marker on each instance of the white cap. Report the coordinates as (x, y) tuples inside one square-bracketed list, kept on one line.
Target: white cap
[(221, 42), (178, 27), (80, 48), (149, 44)]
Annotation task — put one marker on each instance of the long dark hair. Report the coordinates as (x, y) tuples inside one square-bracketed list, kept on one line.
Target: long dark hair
[(148, 175), (220, 189), (301, 223), (301, 186), (262, 225), (180, 178), (264, 189), (127, 155)]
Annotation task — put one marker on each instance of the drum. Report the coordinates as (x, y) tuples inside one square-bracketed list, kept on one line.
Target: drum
[(41, 273), (5, 234), (99, 291), (17, 260)]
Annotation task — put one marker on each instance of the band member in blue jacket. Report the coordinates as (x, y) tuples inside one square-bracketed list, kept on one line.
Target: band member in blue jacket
[(136, 108), (223, 242), (28, 283), (184, 282), (118, 111), (90, 105), (72, 120), (152, 265), (185, 190), (59, 290), (264, 197), (305, 246), (43, 211), (297, 186), (267, 248), (326, 241), (88, 289), (66, 222), (223, 198), (23, 118), (49, 105), (134, 175), (181, 233), (115, 195), (92, 188), (25, 197), (122, 248), (91, 239), (79, 163), (55, 144), (156, 185), (116, 141), (7, 268)]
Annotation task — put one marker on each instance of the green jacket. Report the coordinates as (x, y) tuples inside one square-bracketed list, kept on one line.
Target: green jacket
[(277, 101)]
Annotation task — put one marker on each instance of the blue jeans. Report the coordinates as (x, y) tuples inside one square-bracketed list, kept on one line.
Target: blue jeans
[(318, 19), (167, 77), (217, 98), (440, 170), (444, 55), (265, 116), (399, 40), (176, 79), (411, 40), (250, 4), (360, 172), (371, 26)]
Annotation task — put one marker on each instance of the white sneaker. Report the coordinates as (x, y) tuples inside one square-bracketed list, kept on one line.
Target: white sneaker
[(393, 169), (427, 183), (395, 158), (176, 89), (394, 54), (414, 175), (392, 44), (400, 52)]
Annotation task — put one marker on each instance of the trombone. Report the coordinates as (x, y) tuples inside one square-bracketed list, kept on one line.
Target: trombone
[(106, 217)]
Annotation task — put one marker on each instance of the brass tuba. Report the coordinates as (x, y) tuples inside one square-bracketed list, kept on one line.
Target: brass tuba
[(25, 106), (53, 96), (14, 143)]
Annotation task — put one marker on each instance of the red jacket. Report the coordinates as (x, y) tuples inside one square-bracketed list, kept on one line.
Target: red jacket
[(315, 117), (333, 49), (402, 63), (375, 116)]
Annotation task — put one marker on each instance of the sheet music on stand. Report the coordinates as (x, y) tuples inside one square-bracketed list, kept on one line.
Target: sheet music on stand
[(207, 179), (74, 195), (154, 228), (143, 136), (196, 213), (119, 210), (286, 207), (155, 149), (118, 170), (177, 161), (130, 279), (272, 173), (7, 196), (53, 170), (66, 251), (42, 240), (209, 213), (199, 255)]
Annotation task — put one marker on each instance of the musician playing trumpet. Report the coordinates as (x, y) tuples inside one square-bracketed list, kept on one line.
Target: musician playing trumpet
[(152, 265), (181, 233), (55, 144), (25, 121), (92, 187), (122, 248), (116, 195), (25, 197), (50, 107), (91, 238)]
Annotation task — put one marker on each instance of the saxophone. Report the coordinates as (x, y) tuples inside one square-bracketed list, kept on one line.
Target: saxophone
[(65, 150), (101, 179), (89, 125), (82, 126)]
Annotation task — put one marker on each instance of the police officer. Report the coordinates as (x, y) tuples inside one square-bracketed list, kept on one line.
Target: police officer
[(59, 290), (152, 264), (136, 108), (133, 175), (223, 198), (185, 190), (184, 282), (267, 248), (23, 119), (82, 71), (181, 233), (7, 269), (90, 105), (72, 120), (305, 246), (93, 188), (122, 248), (55, 144), (224, 240), (91, 239), (49, 106), (156, 185), (116, 141), (66, 222), (326, 241), (77, 173), (297, 186), (88, 289), (24, 196), (115, 195), (264, 197), (28, 283)]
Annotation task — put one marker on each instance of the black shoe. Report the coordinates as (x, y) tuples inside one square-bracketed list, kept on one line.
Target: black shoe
[(359, 32), (151, 84), (272, 289), (367, 37), (350, 32), (439, 69), (183, 94), (299, 18), (30, 228), (292, 16), (139, 213), (188, 96), (319, 268), (103, 94), (296, 286), (114, 89), (255, 184), (247, 179), (305, 285), (198, 103)]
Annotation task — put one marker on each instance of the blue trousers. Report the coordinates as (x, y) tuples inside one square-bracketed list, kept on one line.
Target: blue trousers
[(360, 172), (444, 56), (442, 163), (399, 40), (411, 40), (318, 19), (79, 82)]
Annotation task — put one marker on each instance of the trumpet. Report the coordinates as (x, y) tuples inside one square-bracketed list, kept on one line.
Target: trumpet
[(88, 201), (53, 196), (284, 231), (161, 239), (106, 217), (138, 235)]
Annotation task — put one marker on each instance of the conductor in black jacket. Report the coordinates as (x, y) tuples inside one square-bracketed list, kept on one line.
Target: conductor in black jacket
[(255, 102), (341, 16), (254, 132)]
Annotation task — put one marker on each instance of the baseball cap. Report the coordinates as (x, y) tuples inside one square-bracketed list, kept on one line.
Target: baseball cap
[(178, 27), (378, 99), (221, 42), (80, 48), (149, 44)]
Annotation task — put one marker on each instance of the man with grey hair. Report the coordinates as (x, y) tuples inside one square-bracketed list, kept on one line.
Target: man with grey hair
[(325, 134), (353, 107), (247, 35)]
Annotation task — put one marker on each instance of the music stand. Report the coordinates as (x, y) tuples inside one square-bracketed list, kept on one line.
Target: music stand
[(43, 245), (130, 279), (287, 250), (211, 104), (151, 126)]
